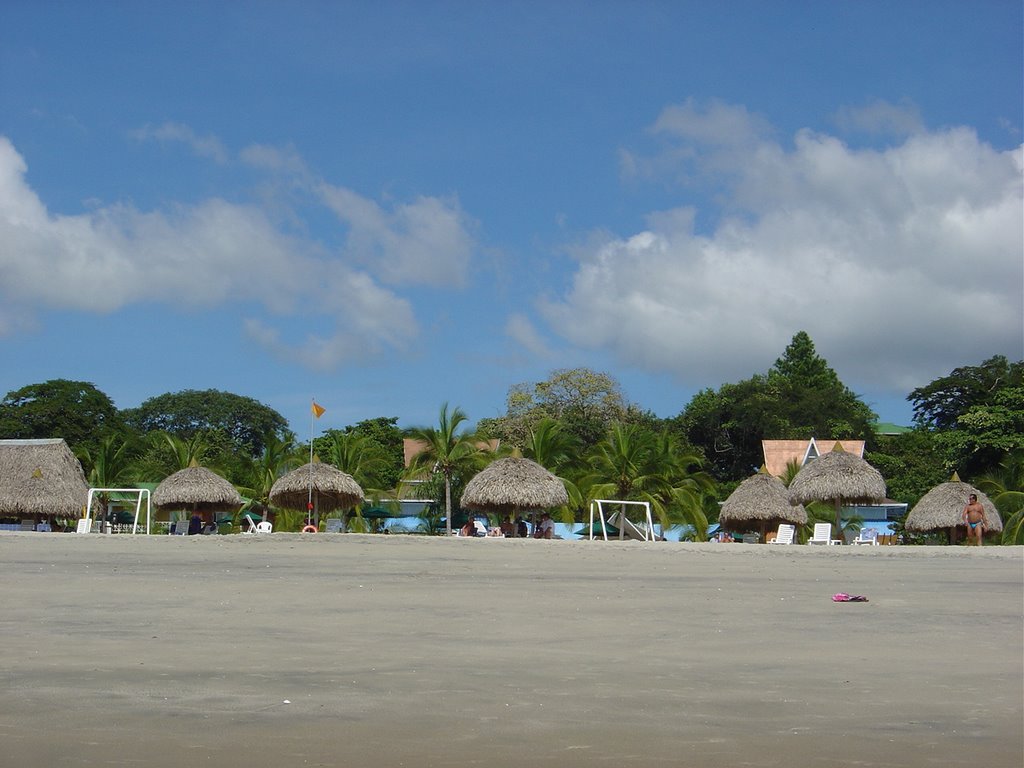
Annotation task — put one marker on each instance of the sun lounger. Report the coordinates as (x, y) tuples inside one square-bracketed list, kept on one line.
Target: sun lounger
[(867, 536), (785, 534), (823, 535)]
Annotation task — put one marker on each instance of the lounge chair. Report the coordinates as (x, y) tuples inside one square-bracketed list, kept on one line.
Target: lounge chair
[(785, 534), (867, 536), (823, 535)]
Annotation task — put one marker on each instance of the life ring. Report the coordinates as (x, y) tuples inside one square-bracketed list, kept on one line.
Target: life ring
[(309, 529)]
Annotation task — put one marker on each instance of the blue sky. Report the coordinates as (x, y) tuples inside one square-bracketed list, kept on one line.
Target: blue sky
[(388, 206)]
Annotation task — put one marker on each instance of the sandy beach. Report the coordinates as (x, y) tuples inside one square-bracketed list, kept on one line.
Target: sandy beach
[(347, 650)]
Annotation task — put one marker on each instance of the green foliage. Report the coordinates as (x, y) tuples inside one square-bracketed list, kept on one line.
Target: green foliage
[(371, 451), (448, 452), (940, 404), (583, 401), (260, 473), (976, 414), (245, 421), (1005, 487), (799, 398), (912, 464), (74, 410), (112, 462), (635, 464)]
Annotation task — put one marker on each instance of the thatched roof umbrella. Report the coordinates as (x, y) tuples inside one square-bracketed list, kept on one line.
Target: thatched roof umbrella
[(762, 500), (323, 486), (198, 489), (838, 477), (943, 507), (41, 477), (513, 485)]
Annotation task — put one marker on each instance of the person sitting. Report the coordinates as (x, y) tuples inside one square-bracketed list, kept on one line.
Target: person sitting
[(469, 529), (507, 528), (522, 529), (545, 528), (195, 524)]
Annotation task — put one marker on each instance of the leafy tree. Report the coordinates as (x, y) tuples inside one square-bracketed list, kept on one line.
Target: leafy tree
[(912, 463), (976, 414), (812, 399), (446, 452), (940, 404), (384, 439), (244, 420), (800, 397), (74, 410), (584, 401)]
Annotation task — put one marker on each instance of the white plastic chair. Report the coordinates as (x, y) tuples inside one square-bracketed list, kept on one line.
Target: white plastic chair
[(264, 526)]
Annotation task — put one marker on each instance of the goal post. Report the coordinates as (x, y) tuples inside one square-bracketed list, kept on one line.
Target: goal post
[(140, 494), (626, 527)]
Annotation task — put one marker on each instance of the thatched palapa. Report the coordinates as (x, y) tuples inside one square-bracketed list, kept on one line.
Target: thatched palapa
[(197, 489), (331, 489), (41, 477), (837, 476), (943, 507), (512, 485), (762, 501)]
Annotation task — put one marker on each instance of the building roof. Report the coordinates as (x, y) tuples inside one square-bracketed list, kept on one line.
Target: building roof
[(778, 453)]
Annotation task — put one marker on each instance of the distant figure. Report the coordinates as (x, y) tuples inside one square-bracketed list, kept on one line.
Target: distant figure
[(974, 519), (195, 524), (522, 529), (507, 528), (546, 528), (469, 529)]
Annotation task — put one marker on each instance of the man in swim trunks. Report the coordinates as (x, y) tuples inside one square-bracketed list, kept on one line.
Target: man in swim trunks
[(974, 519)]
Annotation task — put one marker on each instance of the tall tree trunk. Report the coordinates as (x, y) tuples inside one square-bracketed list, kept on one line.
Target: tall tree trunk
[(447, 505)]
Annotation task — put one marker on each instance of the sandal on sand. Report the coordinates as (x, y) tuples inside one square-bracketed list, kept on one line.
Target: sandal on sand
[(842, 597)]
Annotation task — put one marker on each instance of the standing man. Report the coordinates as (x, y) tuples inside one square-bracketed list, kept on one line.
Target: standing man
[(974, 519)]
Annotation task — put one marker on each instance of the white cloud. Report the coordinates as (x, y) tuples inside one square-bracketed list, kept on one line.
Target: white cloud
[(519, 328), (206, 255), (423, 242), (901, 262), (208, 146)]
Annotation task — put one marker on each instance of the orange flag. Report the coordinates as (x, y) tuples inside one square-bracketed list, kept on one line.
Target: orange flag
[(318, 410)]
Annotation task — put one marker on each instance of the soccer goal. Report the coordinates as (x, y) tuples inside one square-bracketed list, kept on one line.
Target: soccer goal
[(140, 494), (623, 528)]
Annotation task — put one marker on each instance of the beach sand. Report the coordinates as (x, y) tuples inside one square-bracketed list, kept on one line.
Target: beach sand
[(348, 650)]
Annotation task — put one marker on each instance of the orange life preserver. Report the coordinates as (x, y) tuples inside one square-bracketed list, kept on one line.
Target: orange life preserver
[(309, 529)]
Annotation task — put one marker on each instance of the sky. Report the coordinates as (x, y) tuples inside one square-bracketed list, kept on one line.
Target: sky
[(389, 206)]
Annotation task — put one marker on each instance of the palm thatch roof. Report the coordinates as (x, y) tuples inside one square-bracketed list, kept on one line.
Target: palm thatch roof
[(331, 488), (512, 484), (199, 489), (837, 476), (943, 507), (41, 477), (761, 498)]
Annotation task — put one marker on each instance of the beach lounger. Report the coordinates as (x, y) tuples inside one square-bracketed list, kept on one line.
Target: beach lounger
[(785, 534), (867, 536), (823, 535)]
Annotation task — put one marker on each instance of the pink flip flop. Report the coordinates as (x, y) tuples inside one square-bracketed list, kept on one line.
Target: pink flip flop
[(842, 597)]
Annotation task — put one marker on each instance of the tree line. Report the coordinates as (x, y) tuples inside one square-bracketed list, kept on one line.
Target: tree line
[(578, 424)]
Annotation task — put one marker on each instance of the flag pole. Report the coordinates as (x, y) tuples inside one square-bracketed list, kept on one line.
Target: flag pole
[(309, 498)]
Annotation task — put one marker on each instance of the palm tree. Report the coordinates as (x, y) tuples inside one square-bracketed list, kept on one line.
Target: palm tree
[(635, 464), (278, 457), (447, 452), (110, 463), (1005, 487), (556, 449)]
